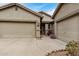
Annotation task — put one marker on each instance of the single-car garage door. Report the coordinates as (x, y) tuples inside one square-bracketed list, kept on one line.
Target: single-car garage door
[(12, 29)]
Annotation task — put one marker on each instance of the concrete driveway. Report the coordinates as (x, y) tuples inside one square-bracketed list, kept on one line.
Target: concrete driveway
[(29, 46)]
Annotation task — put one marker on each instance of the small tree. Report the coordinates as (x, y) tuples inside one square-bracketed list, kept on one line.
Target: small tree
[(72, 48)]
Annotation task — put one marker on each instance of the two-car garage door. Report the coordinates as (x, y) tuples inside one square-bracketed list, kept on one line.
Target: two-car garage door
[(13, 29)]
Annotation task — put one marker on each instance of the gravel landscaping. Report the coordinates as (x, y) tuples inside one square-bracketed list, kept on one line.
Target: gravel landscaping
[(58, 53)]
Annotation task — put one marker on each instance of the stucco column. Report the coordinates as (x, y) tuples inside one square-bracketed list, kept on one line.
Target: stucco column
[(37, 29), (55, 29), (46, 28)]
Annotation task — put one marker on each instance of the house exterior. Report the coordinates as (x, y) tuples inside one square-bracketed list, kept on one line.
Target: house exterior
[(47, 23), (18, 21), (66, 21)]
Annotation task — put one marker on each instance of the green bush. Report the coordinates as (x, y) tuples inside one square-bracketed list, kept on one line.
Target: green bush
[(73, 48)]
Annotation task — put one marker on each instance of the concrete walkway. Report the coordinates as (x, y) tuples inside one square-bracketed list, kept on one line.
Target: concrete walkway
[(29, 46)]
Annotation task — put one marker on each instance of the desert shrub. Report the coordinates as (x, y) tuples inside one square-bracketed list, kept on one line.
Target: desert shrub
[(73, 48)]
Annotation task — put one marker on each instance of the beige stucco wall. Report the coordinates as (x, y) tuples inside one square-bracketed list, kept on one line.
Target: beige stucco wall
[(10, 14), (68, 29), (66, 9), (20, 14)]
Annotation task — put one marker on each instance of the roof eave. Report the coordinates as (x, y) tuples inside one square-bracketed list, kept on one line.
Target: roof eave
[(19, 5), (76, 12), (56, 10), (33, 12), (44, 13)]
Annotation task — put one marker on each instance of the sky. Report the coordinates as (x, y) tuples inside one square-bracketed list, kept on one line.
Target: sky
[(46, 7)]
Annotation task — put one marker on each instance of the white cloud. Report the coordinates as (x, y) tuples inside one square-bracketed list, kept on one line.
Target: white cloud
[(1, 4), (50, 12)]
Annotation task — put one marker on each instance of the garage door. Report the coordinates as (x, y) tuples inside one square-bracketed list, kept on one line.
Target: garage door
[(8, 29)]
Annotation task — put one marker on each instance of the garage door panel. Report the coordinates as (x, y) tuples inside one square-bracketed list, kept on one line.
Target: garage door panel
[(17, 29)]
